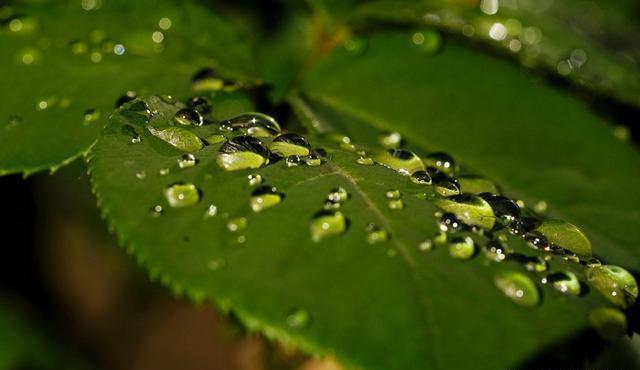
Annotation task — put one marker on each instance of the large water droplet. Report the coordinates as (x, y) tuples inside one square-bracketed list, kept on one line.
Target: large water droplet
[(566, 235), (188, 116), (505, 209), (615, 283), (187, 160), (564, 282), (403, 161), (421, 178), (264, 198), (254, 124), (298, 318), (441, 161), (470, 209), (286, 145), (325, 224), (461, 247), (242, 152), (182, 195), (518, 287), (178, 137), (609, 323)]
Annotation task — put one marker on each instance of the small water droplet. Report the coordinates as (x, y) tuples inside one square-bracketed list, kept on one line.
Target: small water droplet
[(182, 195), (178, 137), (286, 145), (537, 240), (325, 224), (426, 245), (293, 161), (264, 198), (365, 161), (403, 161), (298, 318), (215, 139), (211, 211), (443, 162), (200, 103), (208, 79), (331, 206), (237, 224), (376, 235), (125, 98), (395, 204), (141, 175), (254, 179), (461, 247), (188, 116), (535, 264), (338, 195), (242, 152), (518, 287), (156, 211), (470, 209), (390, 140), (564, 282), (609, 323), (136, 139), (496, 251), (427, 42), (313, 160), (254, 124), (421, 178), (91, 115), (449, 223), (615, 283), (187, 160), (393, 194)]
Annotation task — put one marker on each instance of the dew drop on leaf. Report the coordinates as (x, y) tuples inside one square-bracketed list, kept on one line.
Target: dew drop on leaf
[(125, 98), (609, 323), (535, 264), (156, 211), (615, 283), (470, 209), (395, 204), (505, 209), (461, 247), (215, 139), (254, 179), (476, 185), (392, 194), (293, 161), (421, 178), (390, 140), (495, 251), (325, 224), (365, 161), (254, 124), (188, 116), (313, 160), (211, 211), (338, 195), (376, 235), (426, 245), (187, 160), (182, 195), (178, 137), (566, 235), (242, 152), (443, 162), (565, 282), (264, 198), (237, 224), (449, 223), (286, 145), (208, 79), (91, 115), (403, 161), (518, 287)]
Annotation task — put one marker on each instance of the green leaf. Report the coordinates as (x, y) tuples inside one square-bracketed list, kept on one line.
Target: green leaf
[(535, 142), (544, 35), (359, 287), (62, 76)]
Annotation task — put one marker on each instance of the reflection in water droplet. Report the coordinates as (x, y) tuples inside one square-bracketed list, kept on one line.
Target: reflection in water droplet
[(365, 161), (188, 116), (443, 162), (505, 209), (615, 283), (461, 247), (395, 204), (338, 195), (286, 145), (264, 198), (237, 224), (564, 282), (325, 224), (470, 209), (187, 160), (449, 223), (254, 124), (156, 211), (242, 152), (403, 161), (141, 175), (393, 194), (518, 287), (390, 140), (293, 161), (496, 251), (182, 195), (421, 178), (298, 318), (212, 211), (178, 137), (254, 179), (375, 234), (609, 323), (537, 241)]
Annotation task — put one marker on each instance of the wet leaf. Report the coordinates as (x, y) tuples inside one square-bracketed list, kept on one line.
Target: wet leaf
[(329, 267), (60, 84)]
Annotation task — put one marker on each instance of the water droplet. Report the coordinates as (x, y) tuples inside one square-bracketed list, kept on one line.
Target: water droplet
[(200, 103), (313, 160), (255, 124), (537, 240), (443, 162), (426, 245), (242, 152), (376, 235), (136, 139), (535, 264), (264, 198), (178, 137), (390, 140), (254, 180), (461, 247), (470, 209), (393, 194), (91, 115), (187, 160), (440, 238), (182, 195), (365, 161), (141, 175), (395, 204), (403, 161), (237, 224), (609, 323), (286, 145), (169, 99), (125, 98), (325, 224), (496, 251), (188, 116), (615, 283), (477, 185), (331, 206), (119, 49), (522, 226), (156, 211), (449, 223), (298, 318), (421, 178), (566, 235), (505, 209), (293, 161), (564, 282), (208, 79), (212, 211), (215, 139), (518, 287), (338, 195)]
